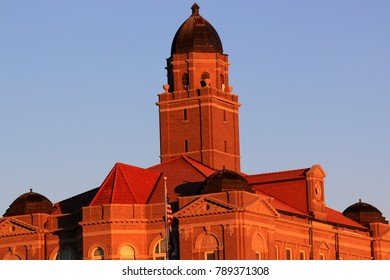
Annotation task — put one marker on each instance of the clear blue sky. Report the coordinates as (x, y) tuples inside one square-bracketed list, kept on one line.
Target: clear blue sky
[(79, 82)]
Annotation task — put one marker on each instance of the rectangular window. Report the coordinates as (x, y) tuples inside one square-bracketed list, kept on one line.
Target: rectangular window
[(225, 143), (302, 255), (288, 254), (210, 256), (186, 146), (185, 115), (257, 255), (224, 115)]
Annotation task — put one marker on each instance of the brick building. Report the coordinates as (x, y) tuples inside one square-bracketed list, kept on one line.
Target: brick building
[(219, 211)]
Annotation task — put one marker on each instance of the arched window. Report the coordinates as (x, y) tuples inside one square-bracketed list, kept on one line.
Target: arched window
[(160, 250), (127, 253), (98, 254), (205, 79), (258, 247), (12, 257), (65, 254), (222, 81), (207, 245), (185, 81)]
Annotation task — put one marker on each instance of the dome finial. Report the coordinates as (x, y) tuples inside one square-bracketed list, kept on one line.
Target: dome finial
[(195, 9)]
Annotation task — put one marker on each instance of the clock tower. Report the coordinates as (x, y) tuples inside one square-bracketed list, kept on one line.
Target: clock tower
[(198, 111)]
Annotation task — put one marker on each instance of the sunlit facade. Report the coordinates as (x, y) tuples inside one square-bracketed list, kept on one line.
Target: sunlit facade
[(220, 213)]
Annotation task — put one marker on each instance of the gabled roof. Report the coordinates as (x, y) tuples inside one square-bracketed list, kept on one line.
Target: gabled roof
[(126, 184), (184, 177), (288, 187)]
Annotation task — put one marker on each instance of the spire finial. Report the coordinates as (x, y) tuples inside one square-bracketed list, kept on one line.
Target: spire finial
[(195, 9)]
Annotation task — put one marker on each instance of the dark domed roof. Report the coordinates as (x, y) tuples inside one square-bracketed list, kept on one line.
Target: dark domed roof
[(30, 203), (196, 35), (225, 180), (364, 213)]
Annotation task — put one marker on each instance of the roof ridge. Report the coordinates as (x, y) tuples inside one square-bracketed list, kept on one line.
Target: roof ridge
[(189, 159), (114, 183), (104, 181), (128, 185), (164, 162), (279, 172), (154, 188)]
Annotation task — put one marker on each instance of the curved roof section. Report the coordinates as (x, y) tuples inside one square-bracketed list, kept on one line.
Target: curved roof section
[(226, 180), (196, 34), (30, 203), (364, 213)]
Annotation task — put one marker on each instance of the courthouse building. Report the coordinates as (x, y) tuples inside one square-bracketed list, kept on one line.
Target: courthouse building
[(219, 212)]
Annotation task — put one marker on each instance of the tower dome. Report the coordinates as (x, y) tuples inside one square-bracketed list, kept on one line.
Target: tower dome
[(225, 180), (364, 213), (196, 35), (30, 203)]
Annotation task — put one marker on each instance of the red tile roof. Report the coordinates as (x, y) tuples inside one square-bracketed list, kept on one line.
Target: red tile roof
[(337, 217), (126, 184), (281, 206), (288, 187), (334, 216), (184, 177), (276, 176)]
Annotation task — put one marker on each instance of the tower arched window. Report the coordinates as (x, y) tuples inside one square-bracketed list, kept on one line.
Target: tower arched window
[(185, 81), (222, 82), (205, 79), (205, 75)]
